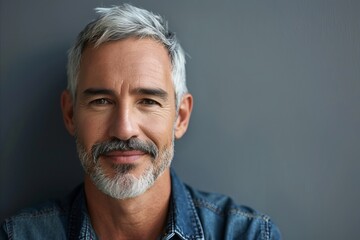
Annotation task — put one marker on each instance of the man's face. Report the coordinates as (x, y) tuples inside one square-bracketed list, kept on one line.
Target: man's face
[(124, 115)]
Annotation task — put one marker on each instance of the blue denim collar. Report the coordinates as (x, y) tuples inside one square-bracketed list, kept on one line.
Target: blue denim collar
[(79, 221), (183, 220)]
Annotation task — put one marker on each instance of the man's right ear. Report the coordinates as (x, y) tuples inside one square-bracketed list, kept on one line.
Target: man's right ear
[(67, 107)]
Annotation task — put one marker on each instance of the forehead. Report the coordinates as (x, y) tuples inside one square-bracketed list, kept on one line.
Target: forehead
[(131, 61)]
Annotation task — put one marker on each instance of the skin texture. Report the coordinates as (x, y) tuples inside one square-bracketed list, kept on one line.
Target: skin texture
[(125, 91)]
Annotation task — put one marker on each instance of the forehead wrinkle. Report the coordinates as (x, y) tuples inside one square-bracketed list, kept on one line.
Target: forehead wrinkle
[(134, 64), (140, 72), (148, 67)]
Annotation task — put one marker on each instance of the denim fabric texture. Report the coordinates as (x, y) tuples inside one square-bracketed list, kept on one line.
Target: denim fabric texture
[(193, 215)]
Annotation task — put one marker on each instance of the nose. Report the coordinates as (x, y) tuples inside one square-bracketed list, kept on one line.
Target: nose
[(124, 123)]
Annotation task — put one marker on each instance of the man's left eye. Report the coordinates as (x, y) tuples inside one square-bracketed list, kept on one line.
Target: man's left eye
[(149, 102)]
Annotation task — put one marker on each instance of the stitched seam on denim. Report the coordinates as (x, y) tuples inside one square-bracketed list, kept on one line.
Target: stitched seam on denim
[(267, 228), (9, 228), (84, 232), (199, 234), (186, 237), (201, 203), (71, 223), (232, 211), (199, 231), (41, 213), (74, 208), (181, 235), (169, 236), (170, 225)]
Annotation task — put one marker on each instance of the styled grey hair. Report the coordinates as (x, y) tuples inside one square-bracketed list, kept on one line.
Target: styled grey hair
[(124, 21)]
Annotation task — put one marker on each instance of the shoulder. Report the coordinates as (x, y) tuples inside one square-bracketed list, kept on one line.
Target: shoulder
[(222, 205), (35, 222), (221, 216)]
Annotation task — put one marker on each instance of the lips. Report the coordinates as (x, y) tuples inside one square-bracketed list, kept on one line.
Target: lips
[(123, 157)]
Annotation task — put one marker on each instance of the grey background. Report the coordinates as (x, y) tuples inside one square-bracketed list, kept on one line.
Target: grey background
[(276, 122)]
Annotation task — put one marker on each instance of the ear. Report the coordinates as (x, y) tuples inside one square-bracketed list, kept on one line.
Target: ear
[(183, 118), (67, 106)]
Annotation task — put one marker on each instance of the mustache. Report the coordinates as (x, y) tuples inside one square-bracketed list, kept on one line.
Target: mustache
[(105, 147)]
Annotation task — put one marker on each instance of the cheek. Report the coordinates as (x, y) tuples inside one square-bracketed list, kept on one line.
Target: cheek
[(89, 129), (159, 129)]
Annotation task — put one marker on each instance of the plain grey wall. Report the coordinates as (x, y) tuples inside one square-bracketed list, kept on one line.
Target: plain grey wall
[(276, 122)]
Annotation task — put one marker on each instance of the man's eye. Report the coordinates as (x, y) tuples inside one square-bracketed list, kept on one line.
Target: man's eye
[(100, 101), (147, 101)]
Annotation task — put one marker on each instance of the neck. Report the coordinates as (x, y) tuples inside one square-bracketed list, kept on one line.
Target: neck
[(142, 217)]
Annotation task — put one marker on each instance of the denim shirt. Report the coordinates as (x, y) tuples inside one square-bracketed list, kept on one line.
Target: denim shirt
[(192, 215)]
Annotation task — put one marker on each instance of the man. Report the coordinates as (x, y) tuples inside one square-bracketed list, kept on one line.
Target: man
[(125, 104)]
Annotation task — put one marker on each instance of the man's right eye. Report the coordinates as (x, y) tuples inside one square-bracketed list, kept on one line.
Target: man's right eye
[(100, 101)]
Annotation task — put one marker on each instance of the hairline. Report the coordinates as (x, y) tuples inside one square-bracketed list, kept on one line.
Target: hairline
[(141, 24)]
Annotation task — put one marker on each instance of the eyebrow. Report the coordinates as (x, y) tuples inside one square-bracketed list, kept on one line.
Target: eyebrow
[(98, 91), (157, 92)]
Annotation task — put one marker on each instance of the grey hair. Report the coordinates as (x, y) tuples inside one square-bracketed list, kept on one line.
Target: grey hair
[(124, 21)]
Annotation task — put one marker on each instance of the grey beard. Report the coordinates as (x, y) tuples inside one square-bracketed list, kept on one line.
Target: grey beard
[(123, 184)]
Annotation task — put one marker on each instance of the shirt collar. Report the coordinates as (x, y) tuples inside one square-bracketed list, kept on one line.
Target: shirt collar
[(183, 220), (79, 220)]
